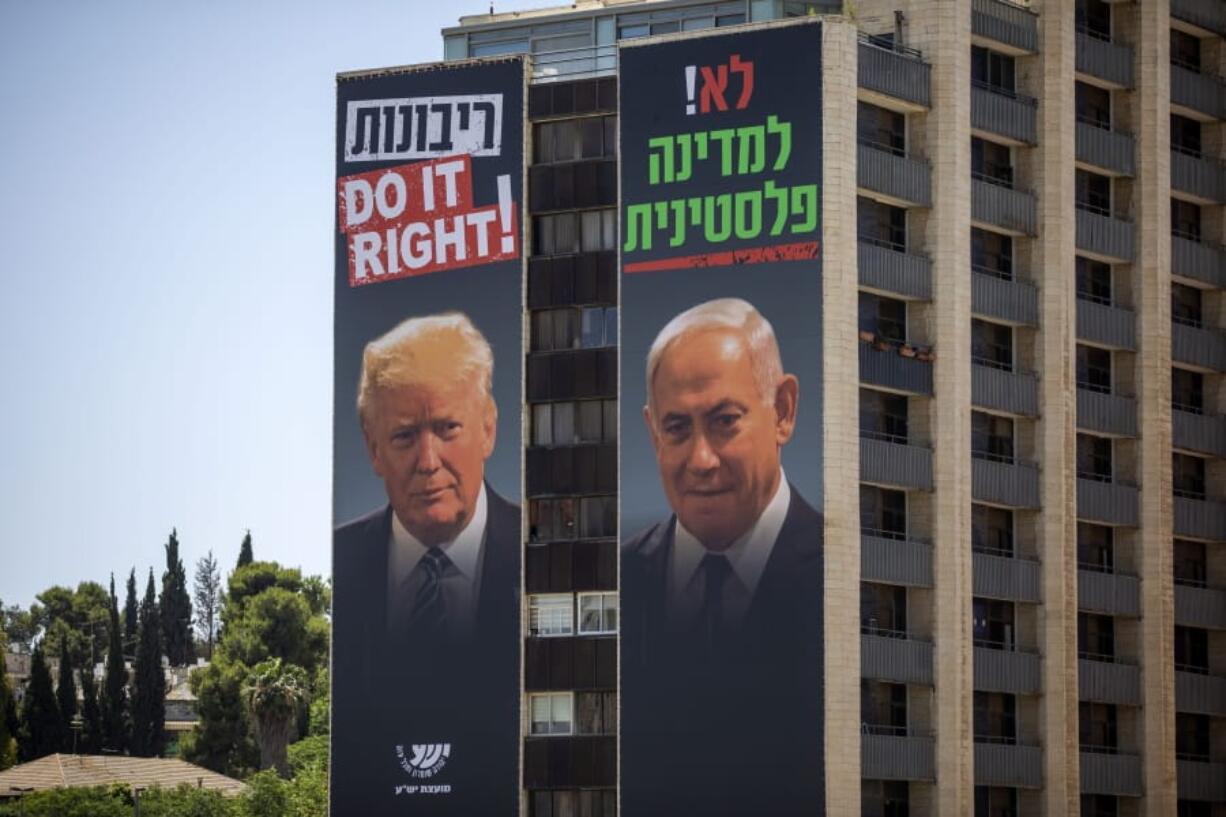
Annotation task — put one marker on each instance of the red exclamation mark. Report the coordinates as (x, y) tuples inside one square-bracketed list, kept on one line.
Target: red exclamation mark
[(505, 213), (690, 76)]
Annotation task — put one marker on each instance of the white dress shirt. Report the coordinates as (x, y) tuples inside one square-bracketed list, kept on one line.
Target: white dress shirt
[(459, 583), (747, 557)]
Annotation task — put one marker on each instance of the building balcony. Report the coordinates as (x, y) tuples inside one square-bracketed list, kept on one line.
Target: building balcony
[(1209, 15), (1004, 208), (1200, 518), (1200, 780), (1110, 150), (1110, 503), (1200, 606), (1014, 483), (1104, 60), (1105, 236), (1004, 113), (1108, 682), (1203, 433), (1014, 392), (903, 180), (898, 73), (897, 757), (1007, 299), (1118, 774), (1200, 96), (568, 64), (1202, 178), (1112, 594), (892, 461), (1198, 347), (1008, 764), (1008, 24), (1005, 577), (570, 761), (891, 269), (1106, 325), (1198, 261), (890, 370), (1110, 414), (895, 657), (1001, 670), (890, 560), (1200, 694)]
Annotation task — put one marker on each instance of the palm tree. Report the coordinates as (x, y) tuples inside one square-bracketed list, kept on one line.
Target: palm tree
[(274, 693)]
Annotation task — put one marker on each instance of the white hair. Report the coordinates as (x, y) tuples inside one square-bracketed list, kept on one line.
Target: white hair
[(397, 358), (725, 313)]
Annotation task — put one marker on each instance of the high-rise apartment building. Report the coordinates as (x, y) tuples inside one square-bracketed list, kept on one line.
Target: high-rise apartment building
[(1040, 369)]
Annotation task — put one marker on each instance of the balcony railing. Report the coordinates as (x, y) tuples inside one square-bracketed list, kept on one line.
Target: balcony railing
[(1198, 346), (893, 269), (1014, 484), (1193, 431), (1000, 577), (1004, 113), (1111, 150), (1103, 59), (895, 72), (889, 369), (897, 757), (1113, 594), (1007, 23), (1118, 774), (1014, 392), (889, 462), (1199, 93), (1207, 14), (999, 206), (1105, 235), (1112, 414), (1198, 261), (902, 178), (1200, 607), (1008, 299), (1008, 764), (1112, 503), (1106, 325), (1198, 176), (998, 670), (574, 63), (899, 659), (1200, 694), (1109, 682), (1200, 518), (890, 560), (1200, 780)]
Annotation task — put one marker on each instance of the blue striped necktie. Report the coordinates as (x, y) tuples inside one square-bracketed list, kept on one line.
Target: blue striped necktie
[(428, 618)]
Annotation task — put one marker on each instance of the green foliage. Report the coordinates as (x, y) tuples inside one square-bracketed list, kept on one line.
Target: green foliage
[(308, 793), (207, 595), (149, 683), (131, 614), (267, 796), (79, 615), (318, 594), (276, 624), (19, 626), (245, 553), (9, 724), (66, 697), (185, 801), (222, 740), (274, 694), (42, 733), (252, 579), (309, 753), (176, 607), (91, 715), (116, 723), (100, 801)]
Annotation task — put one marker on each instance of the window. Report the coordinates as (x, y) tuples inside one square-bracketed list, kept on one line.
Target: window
[(1185, 135), (1185, 50), (572, 328), (992, 623), (995, 717), (992, 69), (884, 798), (1186, 307), (1093, 369), (1093, 192), (598, 517), (1185, 219), (881, 128), (881, 224), (597, 613), (571, 423), (569, 140), (991, 437), (991, 530), (1094, 458), (1095, 637), (1191, 736), (992, 253), (1189, 475), (596, 713), (566, 233), (1093, 105), (551, 615), (1100, 805), (884, 317), (883, 609), (1189, 563), (991, 162), (552, 713), (570, 518), (597, 327), (883, 512), (992, 344), (1191, 650), (494, 49), (1098, 727), (1093, 281), (883, 708), (995, 801), (1188, 390), (1095, 547), (1093, 17), (883, 416)]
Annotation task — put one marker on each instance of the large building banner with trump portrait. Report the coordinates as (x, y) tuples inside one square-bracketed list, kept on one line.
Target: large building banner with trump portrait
[(427, 440), (721, 554)]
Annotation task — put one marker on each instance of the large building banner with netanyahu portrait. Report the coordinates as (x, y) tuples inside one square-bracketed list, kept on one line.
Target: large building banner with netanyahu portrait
[(427, 440), (721, 555)]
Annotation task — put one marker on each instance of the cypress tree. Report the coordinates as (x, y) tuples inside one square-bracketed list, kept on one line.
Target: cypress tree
[(114, 697), (129, 614), (9, 724), (91, 715), (149, 683), (66, 696), (176, 607), (41, 730), (245, 553)]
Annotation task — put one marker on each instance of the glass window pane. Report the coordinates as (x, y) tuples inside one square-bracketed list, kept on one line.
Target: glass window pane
[(608, 230), (610, 326), (542, 424), (591, 332), (610, 420), (589, 421), (563, 423)]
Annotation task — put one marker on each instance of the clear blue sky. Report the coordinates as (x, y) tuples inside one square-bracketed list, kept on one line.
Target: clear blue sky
[(166, 254)]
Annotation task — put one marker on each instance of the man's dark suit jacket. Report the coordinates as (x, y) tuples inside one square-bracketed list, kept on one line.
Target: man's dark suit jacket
[(387, 694), (737, 731)]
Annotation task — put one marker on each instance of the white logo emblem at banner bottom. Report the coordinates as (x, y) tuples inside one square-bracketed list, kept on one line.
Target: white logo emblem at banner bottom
[(424, 760)]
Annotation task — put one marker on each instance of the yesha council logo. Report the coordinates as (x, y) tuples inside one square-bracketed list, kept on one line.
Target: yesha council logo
[(424, 760)]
